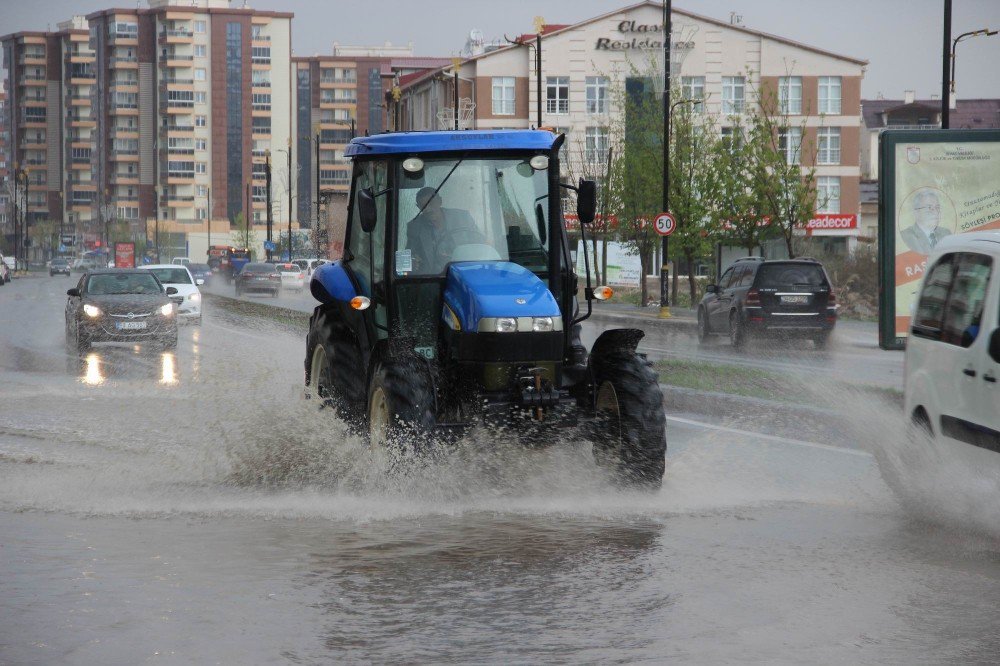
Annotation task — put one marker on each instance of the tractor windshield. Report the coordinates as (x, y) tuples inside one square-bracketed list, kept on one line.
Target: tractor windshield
[(467, 209)]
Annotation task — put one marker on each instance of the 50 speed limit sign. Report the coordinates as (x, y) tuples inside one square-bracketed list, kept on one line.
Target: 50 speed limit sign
[(665, 224)]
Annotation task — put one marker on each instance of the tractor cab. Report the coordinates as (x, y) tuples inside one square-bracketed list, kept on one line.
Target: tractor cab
[(456, 295)]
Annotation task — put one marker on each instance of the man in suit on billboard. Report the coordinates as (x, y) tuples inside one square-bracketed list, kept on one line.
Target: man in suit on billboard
[(926, 230)]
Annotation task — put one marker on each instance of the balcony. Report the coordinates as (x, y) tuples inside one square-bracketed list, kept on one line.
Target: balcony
[(174, 81), (170, 129), (124, 178), (124, 85), (32, 59), (129, 62), (176, 198), (260, 38), (124, 36), (175, 36), (173, 57)]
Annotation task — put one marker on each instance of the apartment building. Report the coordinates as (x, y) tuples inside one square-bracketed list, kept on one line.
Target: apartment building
[(720, 63), (192, 102), (336, 97)]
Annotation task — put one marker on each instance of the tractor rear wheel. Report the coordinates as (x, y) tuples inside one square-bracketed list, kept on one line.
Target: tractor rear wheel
[(400, 405), (630, 437)]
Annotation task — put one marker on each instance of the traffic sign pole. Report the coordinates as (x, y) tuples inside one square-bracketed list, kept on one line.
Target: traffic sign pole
[(665, 225)]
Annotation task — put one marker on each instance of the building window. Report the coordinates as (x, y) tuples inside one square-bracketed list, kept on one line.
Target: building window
[(828, 194), (557, 94), (200, 26), (199, 74), (732, 94), (201, 144), (790, 144), (260, 55), (202, 190), (201, 213), (200, 121), (790, 95), (828, 139), (693, 87), (503, 95), (597, 94), (261, 124), (128, 213), (829, 94), (596, 145), (261, 78), (200, 50), (261, 102), (201, 98), (200, 167)]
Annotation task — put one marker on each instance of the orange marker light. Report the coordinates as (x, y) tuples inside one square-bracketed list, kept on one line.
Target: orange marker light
[(360, 303), (603, 293)]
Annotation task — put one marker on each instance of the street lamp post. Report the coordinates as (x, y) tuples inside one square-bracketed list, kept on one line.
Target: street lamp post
[(156, 229), (267, 174), (208, 191), (945, 113), (664, 264)]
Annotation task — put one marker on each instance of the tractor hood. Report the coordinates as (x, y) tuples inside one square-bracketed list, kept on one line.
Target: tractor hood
[(475, 290)]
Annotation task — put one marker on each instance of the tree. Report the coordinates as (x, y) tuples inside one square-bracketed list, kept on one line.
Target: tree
[(788, 188)]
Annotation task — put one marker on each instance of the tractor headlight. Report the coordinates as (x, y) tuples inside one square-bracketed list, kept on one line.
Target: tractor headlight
[(167, 309), (506, 325), (541, 324), (91, 310)]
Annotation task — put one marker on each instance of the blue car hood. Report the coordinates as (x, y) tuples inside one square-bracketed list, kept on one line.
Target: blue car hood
[(496, 289)]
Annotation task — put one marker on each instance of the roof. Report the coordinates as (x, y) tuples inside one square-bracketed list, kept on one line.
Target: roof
[(437, 142), (967, 114), (555, 29)]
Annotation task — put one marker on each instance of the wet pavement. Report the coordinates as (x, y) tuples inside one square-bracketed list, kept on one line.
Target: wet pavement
[(190, 507)]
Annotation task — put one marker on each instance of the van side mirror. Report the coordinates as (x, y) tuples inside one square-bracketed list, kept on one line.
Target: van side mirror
[(73, 292), (367, 210), (171, 291), (586, 200), (994, 348), (712, 289)]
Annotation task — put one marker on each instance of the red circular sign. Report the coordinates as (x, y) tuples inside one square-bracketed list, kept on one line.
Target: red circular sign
[(665, 224)]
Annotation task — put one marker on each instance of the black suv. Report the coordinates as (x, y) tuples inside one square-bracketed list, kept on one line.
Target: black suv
[(754, 297)]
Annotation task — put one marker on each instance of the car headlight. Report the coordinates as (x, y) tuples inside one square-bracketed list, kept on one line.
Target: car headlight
[(91, 310), (506, 325), (194, 297), (167, 309), (541, 324)]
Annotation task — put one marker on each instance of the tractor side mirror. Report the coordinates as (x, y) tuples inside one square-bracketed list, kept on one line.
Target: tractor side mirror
[(586, 200), (994, 348), (711, 289), (367, 210)]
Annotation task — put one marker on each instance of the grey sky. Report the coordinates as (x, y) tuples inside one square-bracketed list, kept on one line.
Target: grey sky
[(900, 38)]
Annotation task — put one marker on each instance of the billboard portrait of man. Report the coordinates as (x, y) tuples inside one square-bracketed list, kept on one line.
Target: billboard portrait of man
[(926, 230)]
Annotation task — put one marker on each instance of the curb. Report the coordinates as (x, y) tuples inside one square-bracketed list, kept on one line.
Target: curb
[(686, 323)]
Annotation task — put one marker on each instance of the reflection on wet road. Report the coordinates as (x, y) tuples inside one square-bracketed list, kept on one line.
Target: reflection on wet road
[(189, 507)]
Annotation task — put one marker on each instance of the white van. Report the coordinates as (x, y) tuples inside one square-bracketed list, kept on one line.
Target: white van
[(953, 349)]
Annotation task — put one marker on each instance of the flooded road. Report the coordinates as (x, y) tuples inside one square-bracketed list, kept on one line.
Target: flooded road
[(189, 507)]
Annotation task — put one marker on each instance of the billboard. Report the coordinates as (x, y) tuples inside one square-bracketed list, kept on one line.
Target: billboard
[(932, 184), (124, 255)]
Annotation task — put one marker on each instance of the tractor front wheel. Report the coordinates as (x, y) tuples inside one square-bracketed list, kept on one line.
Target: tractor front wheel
[(630, 438), (400, 405)]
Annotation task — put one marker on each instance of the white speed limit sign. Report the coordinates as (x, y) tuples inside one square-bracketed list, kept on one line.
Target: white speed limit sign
[(665, 224)]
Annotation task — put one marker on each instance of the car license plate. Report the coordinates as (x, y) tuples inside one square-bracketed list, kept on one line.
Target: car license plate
[(795, 300), (130, 325)]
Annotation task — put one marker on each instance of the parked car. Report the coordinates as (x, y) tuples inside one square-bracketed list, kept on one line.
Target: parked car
[(84, 264), (258, 277), (201, 273), (952, 369), (292, 276), (5, 273), (181, 261), (124, 305), (11, 266), (187, 296), (60, 266), (755, 297)]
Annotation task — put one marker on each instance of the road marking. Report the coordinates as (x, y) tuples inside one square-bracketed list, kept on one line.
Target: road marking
[(770, 438)]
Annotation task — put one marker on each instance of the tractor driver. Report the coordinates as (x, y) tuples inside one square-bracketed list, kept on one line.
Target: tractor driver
[(436, 231)]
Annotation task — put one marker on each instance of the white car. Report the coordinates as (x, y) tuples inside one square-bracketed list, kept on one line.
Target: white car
[(953, 349), (188, 296), (292, 276), (309, 265), (180, 261)]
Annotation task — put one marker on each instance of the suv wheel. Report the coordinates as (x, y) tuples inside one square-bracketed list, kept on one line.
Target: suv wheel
[(703, 330), (737, 331)]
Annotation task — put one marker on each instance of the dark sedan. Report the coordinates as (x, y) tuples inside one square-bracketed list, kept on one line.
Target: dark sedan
[(128, 306), (259, 277), (201, 273), (59, 265)]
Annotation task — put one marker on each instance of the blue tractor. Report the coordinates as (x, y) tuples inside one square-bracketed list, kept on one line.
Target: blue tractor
[(456, 303)]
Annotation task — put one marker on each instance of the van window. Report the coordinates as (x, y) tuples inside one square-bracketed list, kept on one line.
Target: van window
[(964, 312), (929, 316)]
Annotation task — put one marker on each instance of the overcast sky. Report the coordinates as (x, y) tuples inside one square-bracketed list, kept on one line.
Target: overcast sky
[(901, 39)]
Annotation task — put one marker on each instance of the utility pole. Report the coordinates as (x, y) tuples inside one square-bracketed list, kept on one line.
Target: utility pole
[(246, 221), (665, 263), (318, 136), (945, 69), (267, 175), (209, 192), (289, 151), (539, 28)]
